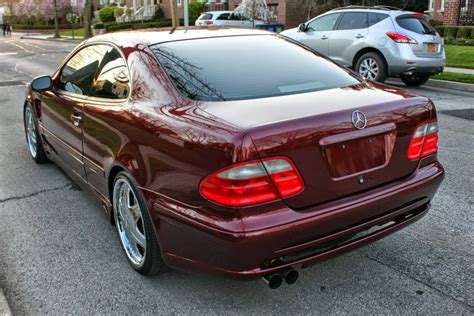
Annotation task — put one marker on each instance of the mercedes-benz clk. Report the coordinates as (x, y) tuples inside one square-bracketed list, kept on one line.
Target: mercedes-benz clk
[(234, 152)]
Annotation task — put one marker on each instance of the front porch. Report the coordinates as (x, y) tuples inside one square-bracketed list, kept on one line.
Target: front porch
[(140, 10)]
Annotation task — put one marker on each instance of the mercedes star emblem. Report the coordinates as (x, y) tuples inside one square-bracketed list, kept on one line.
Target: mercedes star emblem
[(359, 120)]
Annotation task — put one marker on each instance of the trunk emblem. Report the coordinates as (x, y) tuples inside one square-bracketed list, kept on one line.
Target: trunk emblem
[(359, 120)]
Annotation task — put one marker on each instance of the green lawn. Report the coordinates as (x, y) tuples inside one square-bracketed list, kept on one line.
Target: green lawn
[(460, 56), (79, 33), (451, 76)]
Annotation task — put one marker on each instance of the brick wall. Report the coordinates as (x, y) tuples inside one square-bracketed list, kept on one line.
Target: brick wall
[(451, 12)]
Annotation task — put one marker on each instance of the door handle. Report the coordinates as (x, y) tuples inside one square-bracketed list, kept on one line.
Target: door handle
[(324, 37), (76, 119), (359, 36)]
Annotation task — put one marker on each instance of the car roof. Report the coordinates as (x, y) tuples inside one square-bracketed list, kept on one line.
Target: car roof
[(154, 36), (217, 12)]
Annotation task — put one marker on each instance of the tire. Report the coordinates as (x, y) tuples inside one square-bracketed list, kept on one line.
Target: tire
[(33, 137), (372, 66), (134, 227), (415, 80)]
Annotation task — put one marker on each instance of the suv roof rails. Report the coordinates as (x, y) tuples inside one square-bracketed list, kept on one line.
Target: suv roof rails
[(375, 7)]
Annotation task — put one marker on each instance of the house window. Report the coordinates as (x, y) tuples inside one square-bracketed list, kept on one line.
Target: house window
[(180, 2), (273, 8)]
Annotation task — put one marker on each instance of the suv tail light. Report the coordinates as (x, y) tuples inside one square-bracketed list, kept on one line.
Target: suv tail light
[(208, 22), (400, 38), (424, 141), (253, 182)]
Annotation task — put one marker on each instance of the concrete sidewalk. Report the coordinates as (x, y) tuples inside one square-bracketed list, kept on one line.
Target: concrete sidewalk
[(459, 70)]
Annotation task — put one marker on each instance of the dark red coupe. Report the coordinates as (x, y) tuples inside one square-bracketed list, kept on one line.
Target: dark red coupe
[(234, 152)]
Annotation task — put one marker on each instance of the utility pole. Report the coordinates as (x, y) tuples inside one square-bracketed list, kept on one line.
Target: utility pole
[(186, 14), (174, 13), (56, 22)]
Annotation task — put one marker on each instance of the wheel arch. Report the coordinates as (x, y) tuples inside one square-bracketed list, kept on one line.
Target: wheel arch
[(368, 50)]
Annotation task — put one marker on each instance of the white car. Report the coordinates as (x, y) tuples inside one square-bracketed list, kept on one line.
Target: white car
[(226, 18)]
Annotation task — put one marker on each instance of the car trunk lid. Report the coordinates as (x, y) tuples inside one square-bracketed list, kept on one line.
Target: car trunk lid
[(317, 132)]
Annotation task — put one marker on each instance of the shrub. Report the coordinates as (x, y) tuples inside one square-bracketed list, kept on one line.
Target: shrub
[(159, 14), (195, 10), (107, 14), (464, 32), (472, 32), (118, 12), (451, 31), (440, 29), (99, 26)]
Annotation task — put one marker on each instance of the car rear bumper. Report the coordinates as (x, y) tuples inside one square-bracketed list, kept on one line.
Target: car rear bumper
[(402, 61), (321, 234)]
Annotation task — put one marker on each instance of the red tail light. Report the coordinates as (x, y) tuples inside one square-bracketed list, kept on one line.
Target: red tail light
[(424, 141), (252, 182), (400, 38), (208, 22)]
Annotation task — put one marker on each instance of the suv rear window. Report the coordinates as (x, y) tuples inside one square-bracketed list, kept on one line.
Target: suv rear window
[(417, 25), (206, 16), (246, 67)]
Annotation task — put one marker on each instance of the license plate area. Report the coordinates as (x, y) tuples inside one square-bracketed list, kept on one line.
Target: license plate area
[(431, 48)]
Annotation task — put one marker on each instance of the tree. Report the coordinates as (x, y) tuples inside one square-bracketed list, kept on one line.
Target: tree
[(254, 9), (174, 13), (87, 17)]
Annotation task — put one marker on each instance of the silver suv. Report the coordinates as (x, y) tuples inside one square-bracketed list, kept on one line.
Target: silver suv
[(377, 42)]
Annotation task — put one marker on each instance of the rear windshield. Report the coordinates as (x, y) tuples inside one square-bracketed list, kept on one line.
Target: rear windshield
[(246, 67), (206, 16), (417, 25)]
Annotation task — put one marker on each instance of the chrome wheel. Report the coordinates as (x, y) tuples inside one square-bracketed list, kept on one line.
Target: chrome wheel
[(129, 222), (369, 68), (31, 132)]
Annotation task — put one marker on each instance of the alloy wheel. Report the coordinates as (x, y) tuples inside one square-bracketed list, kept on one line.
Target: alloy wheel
[(129, 222), (31, 132), (369, 68)]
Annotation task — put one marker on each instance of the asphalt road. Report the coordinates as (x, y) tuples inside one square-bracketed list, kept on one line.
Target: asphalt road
[(59, 255)]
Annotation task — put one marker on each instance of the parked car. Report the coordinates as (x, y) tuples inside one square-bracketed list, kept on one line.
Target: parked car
[(377, 42), (208, 155), (226, 18)]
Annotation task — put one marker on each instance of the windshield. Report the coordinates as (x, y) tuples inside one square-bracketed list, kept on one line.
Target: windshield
[(246, 67)]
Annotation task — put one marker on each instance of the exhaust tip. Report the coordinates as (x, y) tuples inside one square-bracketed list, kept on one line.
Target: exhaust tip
[(291, 276), (273, 280)]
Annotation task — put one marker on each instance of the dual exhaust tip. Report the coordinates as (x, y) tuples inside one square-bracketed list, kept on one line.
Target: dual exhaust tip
[(275, 280)]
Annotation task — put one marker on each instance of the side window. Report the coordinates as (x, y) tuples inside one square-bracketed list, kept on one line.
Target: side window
[(325, 23), (353, 21), (375, 18), (224, 16), (79, 72), (112, 81)]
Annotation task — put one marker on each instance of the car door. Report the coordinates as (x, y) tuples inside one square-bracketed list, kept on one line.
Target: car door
[(223, 20), (348, 37), (110, 90), (62, 106), (318, 32)]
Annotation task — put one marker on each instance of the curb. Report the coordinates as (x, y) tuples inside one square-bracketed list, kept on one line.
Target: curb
[(4, 308), (443, 84), (51, 40)]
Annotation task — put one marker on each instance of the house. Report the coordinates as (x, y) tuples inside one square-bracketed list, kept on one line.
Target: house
[(452, 12)]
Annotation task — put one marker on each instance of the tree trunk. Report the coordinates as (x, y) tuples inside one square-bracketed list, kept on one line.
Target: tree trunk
[(56, 23), (87, 18), (174, 13)]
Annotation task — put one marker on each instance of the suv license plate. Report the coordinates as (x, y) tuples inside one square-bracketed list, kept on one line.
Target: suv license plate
[(431, 48)]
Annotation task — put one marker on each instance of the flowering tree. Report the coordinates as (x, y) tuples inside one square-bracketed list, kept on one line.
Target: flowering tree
[(254, 9)]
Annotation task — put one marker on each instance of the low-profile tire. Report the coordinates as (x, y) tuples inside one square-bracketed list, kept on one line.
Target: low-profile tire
[(134, 227), (33, 137), (415, 80), (372, 66)]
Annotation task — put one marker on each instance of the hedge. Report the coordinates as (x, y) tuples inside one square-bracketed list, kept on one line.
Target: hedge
[(113, 27), (455, 32), (39, 27)]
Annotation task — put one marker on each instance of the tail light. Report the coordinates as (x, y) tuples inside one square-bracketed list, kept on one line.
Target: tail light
[(400, 38), (208, 22), (424, 141), (253, 182)]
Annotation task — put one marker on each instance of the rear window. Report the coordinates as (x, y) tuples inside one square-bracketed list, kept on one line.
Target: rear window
[(246, 67), (206, 16), (353, 21), (417, 25)]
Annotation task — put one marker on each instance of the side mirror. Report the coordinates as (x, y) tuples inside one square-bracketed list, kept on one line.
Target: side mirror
[(302, 27), (41, 84)]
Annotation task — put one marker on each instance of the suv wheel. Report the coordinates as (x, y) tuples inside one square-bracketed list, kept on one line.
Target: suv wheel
[(371, 66), (415, 80)]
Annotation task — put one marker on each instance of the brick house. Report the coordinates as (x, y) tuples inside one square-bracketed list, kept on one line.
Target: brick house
[(452, 12)]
